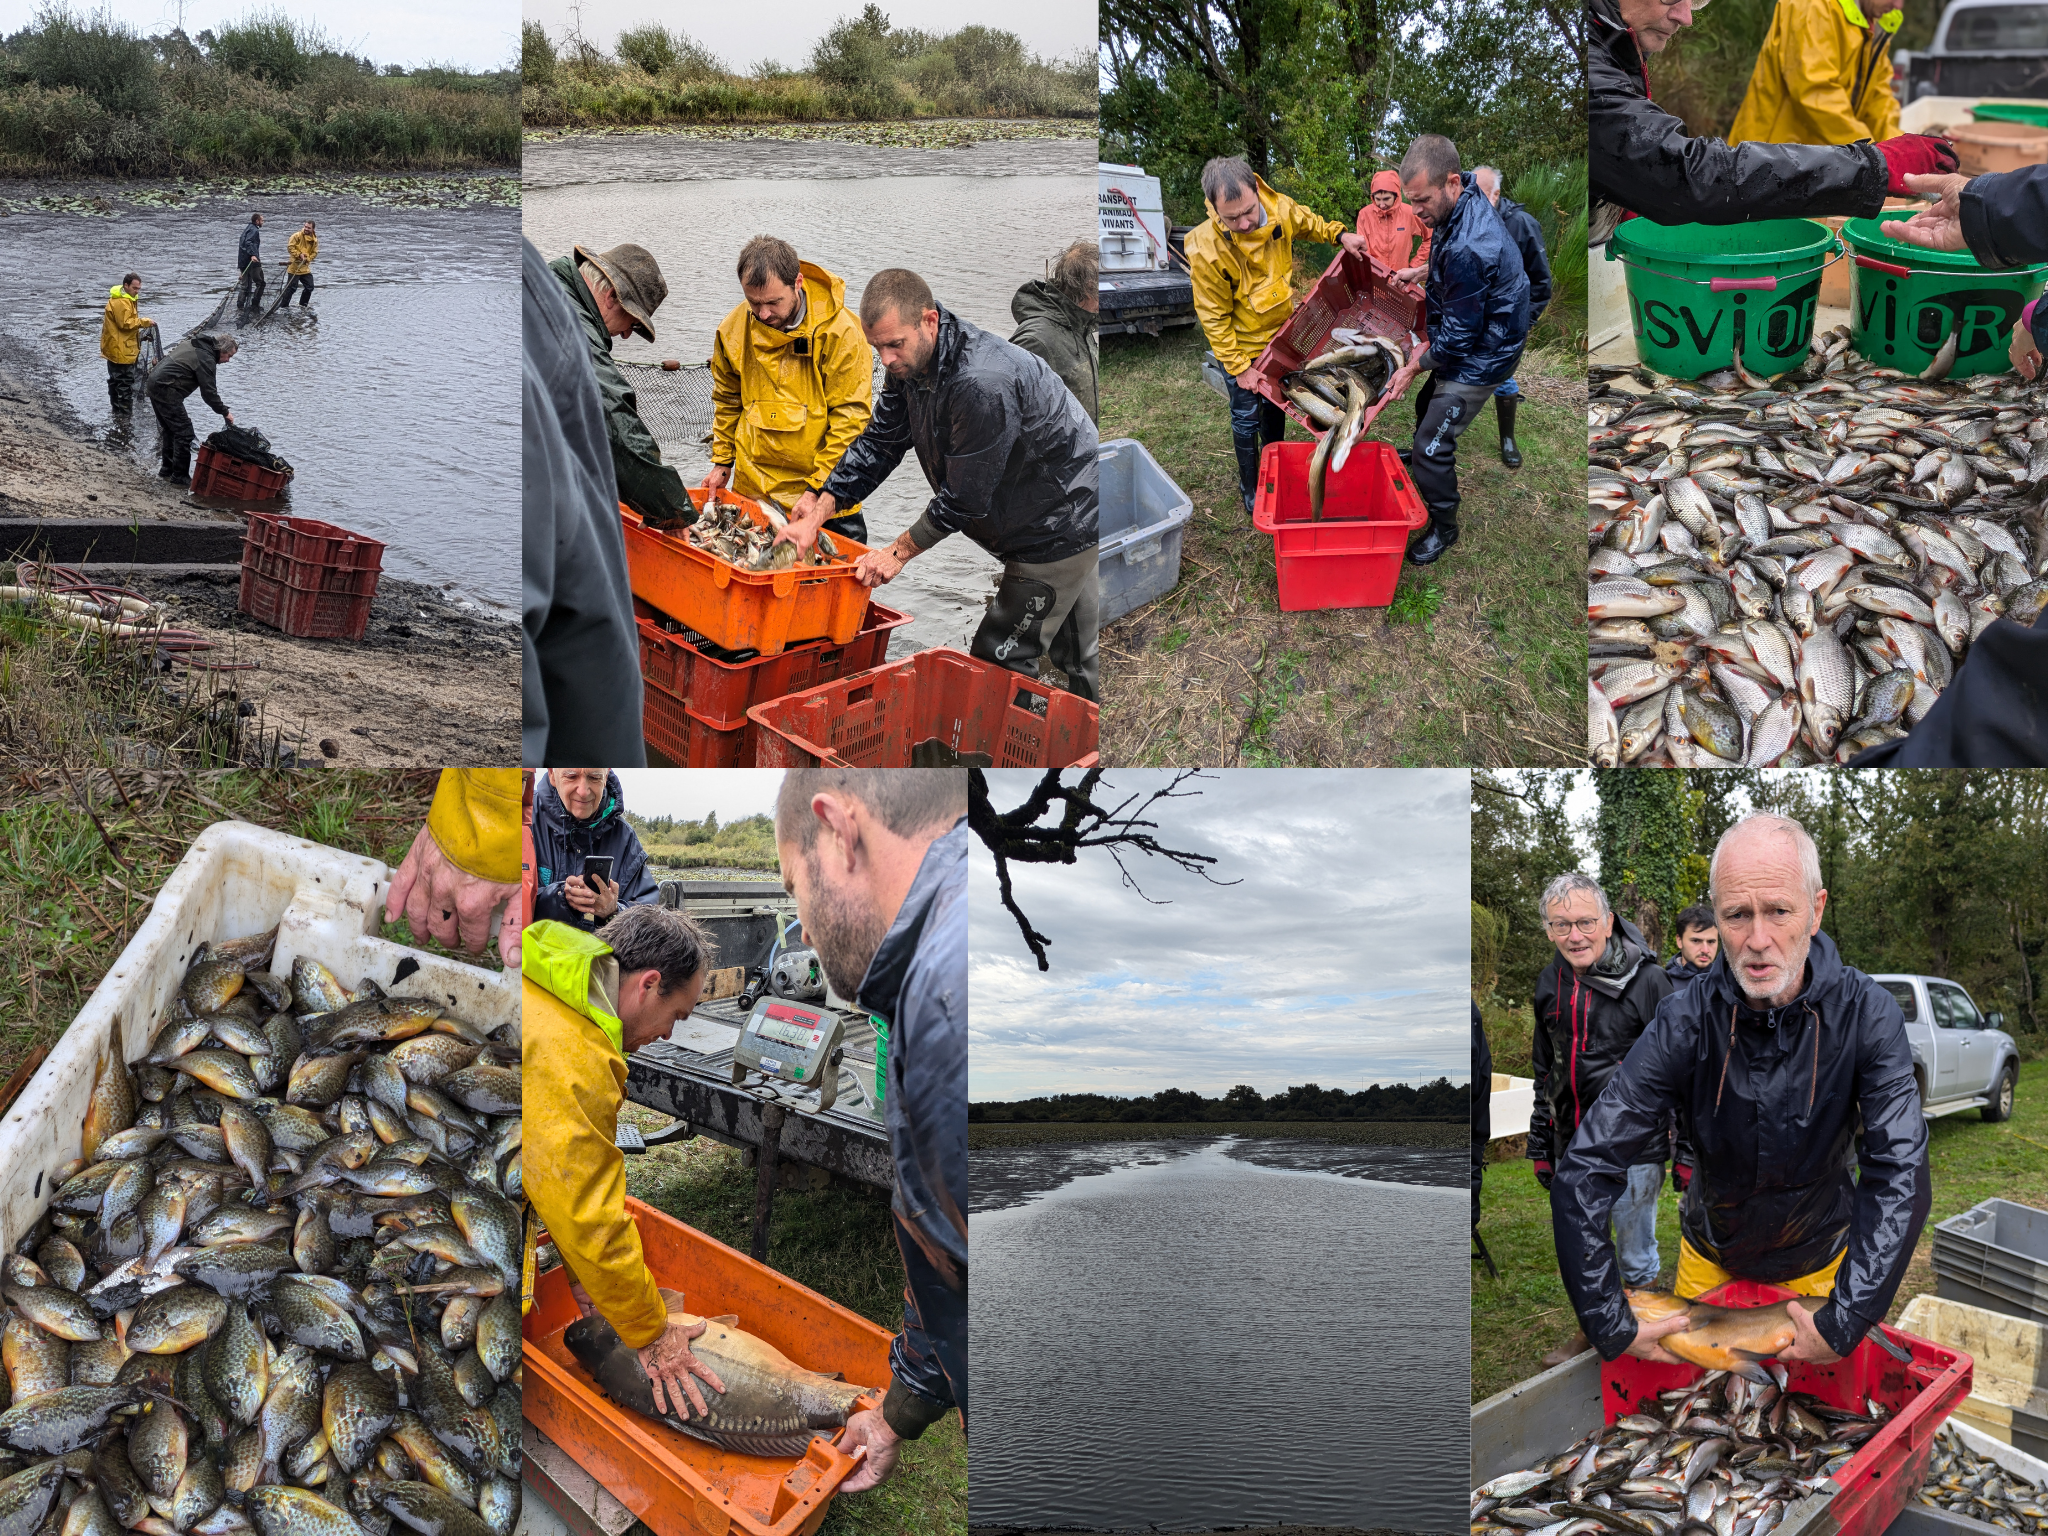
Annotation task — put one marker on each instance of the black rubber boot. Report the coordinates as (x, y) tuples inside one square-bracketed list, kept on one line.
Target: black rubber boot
[(1439, 536), (1247, 474), (1504, 407)]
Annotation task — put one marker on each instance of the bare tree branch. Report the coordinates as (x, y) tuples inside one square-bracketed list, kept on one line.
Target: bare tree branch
[(1015, 835)]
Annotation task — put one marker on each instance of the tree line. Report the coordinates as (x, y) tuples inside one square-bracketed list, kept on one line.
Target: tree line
[(1438, 1100), (1942, 872)]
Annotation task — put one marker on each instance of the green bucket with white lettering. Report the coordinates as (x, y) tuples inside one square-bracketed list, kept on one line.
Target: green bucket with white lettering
[(1698, 293), (1905, 301)]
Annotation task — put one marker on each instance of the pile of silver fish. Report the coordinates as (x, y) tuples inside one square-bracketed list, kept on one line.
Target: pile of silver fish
[(1790, 573), (1961, 1481), (1723, 1457), (280, 1291), (723, 528), (1334, 391)]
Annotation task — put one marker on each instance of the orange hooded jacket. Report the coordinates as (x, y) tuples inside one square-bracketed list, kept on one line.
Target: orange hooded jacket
[(1393, 235)]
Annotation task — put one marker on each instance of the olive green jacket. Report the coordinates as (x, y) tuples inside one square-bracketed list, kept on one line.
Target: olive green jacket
[(1056, 329), (647, 485)]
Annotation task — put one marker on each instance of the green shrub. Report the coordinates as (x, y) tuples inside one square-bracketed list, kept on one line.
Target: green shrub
[(95, 54), (855, 55), (266, 145), (536, 54), (650, 47), (271, 46)]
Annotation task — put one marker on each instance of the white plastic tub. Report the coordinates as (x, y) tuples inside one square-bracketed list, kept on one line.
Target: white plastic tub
[(1144, 518), (235, 880)]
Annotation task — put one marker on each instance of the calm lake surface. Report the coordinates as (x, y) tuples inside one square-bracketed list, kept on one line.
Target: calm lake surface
[(976, 223), (399, 407), (1195, 1335)]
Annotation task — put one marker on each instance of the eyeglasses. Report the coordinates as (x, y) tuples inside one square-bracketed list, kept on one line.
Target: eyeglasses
[(1585, 925)]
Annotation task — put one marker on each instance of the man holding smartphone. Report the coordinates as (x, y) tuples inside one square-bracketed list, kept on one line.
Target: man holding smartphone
[(588, 860)]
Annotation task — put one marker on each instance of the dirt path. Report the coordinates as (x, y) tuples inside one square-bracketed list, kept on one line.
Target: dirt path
[(432, 683)]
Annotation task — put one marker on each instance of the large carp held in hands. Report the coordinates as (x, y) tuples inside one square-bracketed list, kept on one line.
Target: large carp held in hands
[(279, 1293), (1736, 1339), (771, 1406), (1789, 573)]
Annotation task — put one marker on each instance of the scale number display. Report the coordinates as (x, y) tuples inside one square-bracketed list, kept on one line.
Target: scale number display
[(788, 1027)]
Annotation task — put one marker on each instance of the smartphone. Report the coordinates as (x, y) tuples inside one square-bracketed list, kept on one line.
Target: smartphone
[(597, 866)]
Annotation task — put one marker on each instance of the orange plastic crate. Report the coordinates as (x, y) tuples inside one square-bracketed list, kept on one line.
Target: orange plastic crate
[(307, 578), (686, 738), (681, 1486), (719, 692), (765, 611), (874, 718), (218, 474), (1354, 293)]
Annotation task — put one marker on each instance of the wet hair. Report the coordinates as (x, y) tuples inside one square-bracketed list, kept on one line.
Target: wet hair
[(1809, 855), (225, 345), (1560, 889), (255, 218), (1499, 181), (765, 256), (1226, 176), (1694, 916), (1077, 270), (1432, 157), (651, 937), (130, 279), (898, 291), (905, 800)]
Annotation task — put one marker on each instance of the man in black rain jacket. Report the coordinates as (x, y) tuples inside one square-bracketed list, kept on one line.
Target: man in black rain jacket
[(1698, 942), (585, 814), (1592, 1002), (1793, 1083), (1527, 236), (185, 367), (1010, 457), (1643, 161)]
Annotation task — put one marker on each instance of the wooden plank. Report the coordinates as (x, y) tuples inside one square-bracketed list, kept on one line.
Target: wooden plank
[(729, 982)]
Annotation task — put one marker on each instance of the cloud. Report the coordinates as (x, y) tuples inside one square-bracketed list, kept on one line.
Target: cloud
[(1340, 956)]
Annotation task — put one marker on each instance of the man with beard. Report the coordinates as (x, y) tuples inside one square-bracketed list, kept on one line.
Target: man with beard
[(877, 862), (1778, 1061), (586, 1004), (1698, 942), (1010, 457)]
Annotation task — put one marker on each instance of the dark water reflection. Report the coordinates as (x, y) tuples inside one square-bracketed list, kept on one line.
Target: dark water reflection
[(1183, 1336), (399, 408)]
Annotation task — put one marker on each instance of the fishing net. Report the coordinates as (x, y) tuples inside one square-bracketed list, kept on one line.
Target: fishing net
[(674, 403)]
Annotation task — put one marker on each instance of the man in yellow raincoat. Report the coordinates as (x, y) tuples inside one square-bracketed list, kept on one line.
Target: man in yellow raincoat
[(586, 1002), (121, 345), (792, 382), (1823, 76), (302, 248), (1241, 263)]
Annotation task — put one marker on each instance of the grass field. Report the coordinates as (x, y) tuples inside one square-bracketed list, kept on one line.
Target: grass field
[(1518, 1317), (1369, 1133), (69, 902), (840, 1243), (1479, 661)]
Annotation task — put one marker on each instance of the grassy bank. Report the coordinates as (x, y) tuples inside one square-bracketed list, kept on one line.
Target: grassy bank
[(1359, 1133), (1479, 661), (839, 1242), (87, 95), (69, 902), (862, 69), (1516, 1318)]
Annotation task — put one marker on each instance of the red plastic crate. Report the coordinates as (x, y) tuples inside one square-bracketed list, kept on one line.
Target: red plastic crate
[(1352, 557), (874, 718), (720, 692), (219, 474), (687, 739), (307, 578), (1874, 1486), (1354, 293)]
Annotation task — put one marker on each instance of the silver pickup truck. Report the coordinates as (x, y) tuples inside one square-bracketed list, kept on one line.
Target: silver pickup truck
[(1964, 1059)]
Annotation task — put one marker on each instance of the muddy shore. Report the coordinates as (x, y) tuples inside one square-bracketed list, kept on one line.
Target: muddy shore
[(433, 682)]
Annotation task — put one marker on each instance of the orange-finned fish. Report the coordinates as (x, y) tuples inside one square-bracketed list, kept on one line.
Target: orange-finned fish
[(1732, 1339)]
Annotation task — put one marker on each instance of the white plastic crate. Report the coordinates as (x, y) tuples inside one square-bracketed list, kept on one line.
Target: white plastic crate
[(234, 881), (1144, 520)]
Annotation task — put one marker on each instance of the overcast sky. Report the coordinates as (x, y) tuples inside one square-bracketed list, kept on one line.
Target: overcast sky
[(742, 36), (735, 793), (471, 34), (1342, 958)]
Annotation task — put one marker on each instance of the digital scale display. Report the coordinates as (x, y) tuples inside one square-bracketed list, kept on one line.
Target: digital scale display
[(787, 1027), (796, 1043)]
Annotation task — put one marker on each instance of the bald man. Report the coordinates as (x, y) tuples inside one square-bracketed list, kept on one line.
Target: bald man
[(1770, 1058)]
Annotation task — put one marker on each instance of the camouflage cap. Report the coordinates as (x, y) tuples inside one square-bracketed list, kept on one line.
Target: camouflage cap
[(635, 278)]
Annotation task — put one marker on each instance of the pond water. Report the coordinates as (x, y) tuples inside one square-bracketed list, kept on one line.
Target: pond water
[(976, 223), (1190, 1336), (399, 408)]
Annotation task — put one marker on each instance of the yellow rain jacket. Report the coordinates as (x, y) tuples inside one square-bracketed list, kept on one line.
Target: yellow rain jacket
[(1807, 72), (121, 327), (1244, 288), (475, 819), (780, 419), (574, 1065), (302, 248)]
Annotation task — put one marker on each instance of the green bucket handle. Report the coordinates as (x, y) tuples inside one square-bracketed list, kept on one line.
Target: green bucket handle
[(1743, 284)]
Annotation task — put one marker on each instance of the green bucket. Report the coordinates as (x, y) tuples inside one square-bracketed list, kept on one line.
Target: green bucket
[(1697, 291), (1905, 300), (2009, 112)]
